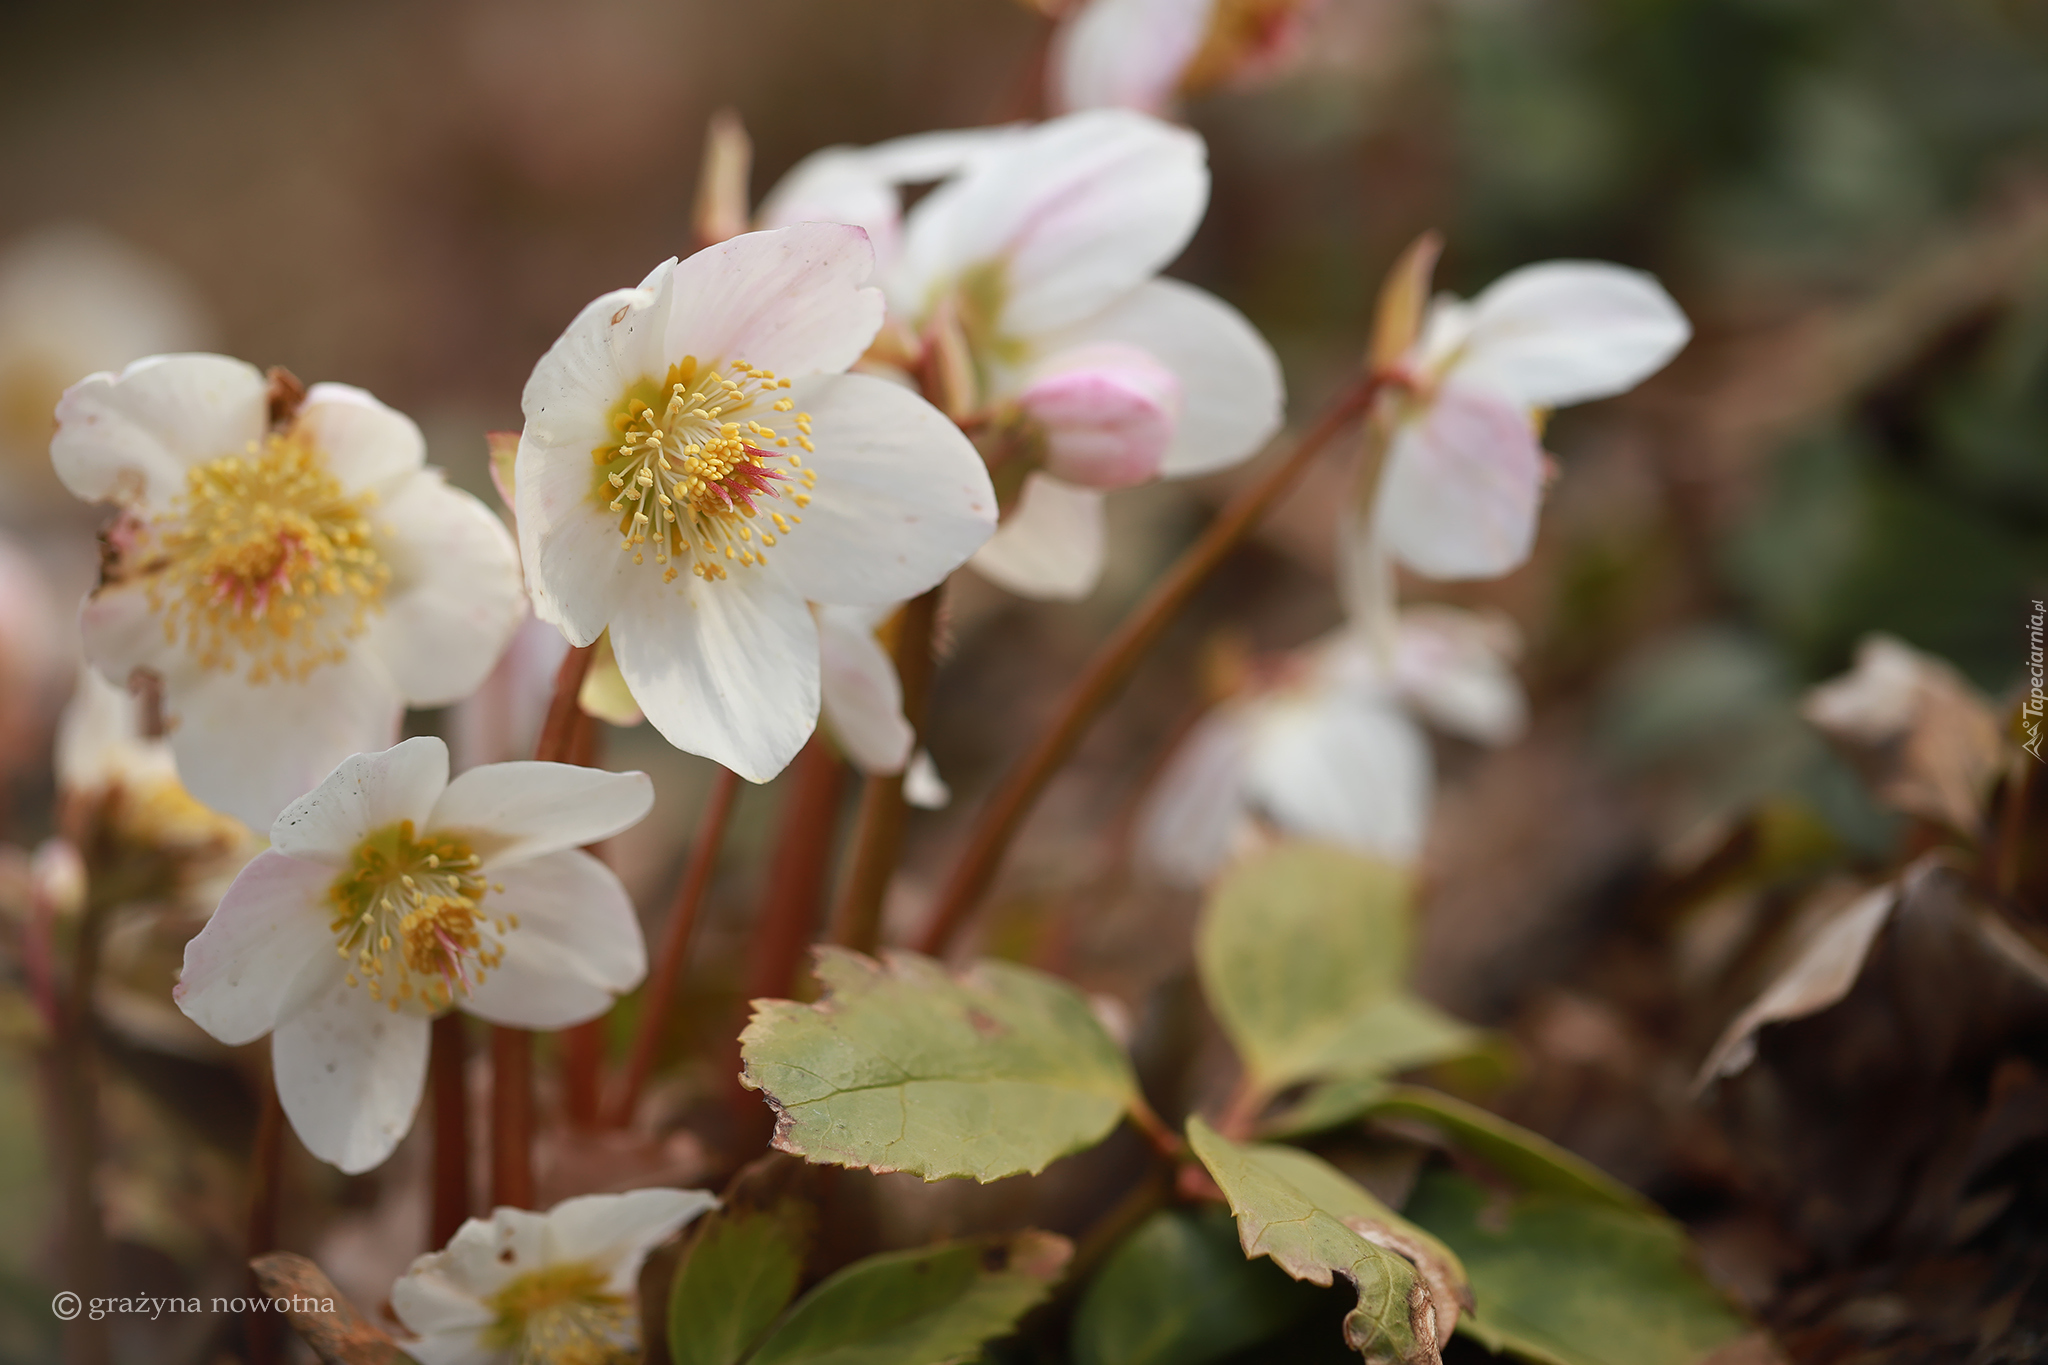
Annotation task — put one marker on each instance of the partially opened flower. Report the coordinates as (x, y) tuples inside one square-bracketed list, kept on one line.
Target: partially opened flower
[(1148, 54), (1041, 257), (1464, 468), (293, 584), (391, 895), (554, 1288), (695, 469), (1328, 746)]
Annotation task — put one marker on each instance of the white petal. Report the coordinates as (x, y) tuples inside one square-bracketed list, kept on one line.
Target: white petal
[(366, 443), (129, 438), (502, 719), (792, 300), (1077, 212), (251, 749), (100, 743), (922, 785), (902, 497), (1567, 331), (448, 1322), (1052, 544), (121, 632), (349, 1074), (728, 670), (522, 810), (486, 1254), (576, 947), (614, 1232), (271, 923), (1358, 774), (922, 158), (1126, 54), (455, 597), (1461, 489), (1232, 395), (1107, 412), (613, 343), (569, 544), (365, 792), (1191, 817), (861, 696), (1452, 666), (838, 185)]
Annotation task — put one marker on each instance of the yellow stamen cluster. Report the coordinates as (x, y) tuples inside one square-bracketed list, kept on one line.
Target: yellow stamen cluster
[(407, 912), (265, 562), (563, 1315), (694, 466)]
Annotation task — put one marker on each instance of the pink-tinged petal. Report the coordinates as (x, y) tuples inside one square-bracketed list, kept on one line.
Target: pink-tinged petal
[(1462, 488), (1071, 215), (1127, 54), (792, 300), (838, 185), (1452, 667), (251, 749), (728, 670), (523, 810), (570, 545), (349, 1074), (1232, 396), (367, 444), (576, 948), (130, 438), (364, 793), (1191, 818), (616, 1231), (272, 922), (455, 597), (862, 698), (902, 497), (1107, 413), (1051, 545), (1349, 771), (1568, 331)]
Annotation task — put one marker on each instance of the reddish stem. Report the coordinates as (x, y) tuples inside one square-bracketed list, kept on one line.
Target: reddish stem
[(511, 1118), (675, 945), (260, 1326), (1114, 663), (447, 1079)]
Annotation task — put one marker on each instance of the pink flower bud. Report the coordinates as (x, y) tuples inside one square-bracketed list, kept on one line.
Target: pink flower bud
[(1108, 414)]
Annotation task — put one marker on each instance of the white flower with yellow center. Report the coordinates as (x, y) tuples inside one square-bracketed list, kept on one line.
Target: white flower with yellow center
[(696, 467), (554, 1288), (1328, 745), (294, 584), (1037, 262), (391, 895)]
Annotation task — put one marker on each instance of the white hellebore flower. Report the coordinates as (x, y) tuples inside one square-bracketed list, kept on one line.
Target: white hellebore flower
[(1331, 748), (555, 1287), (1039, 258), (695, 468), (295, 587), (391, 895), (863, 703), (1147, 54), (1464, 471)]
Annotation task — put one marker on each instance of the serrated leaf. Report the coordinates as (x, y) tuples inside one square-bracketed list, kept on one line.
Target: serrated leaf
[(904, 1067), (1566, 1281), (1529, 1159), (741, 1270), (928, 1307), (1317, 1224), (1303, 951), (1179, 1291)]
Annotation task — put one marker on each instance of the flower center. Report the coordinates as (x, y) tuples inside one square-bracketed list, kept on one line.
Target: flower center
[(406, 911), (694, 463), (265, 557), (563, 1315)]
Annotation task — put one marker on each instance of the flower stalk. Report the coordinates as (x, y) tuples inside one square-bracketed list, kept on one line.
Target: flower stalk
[(447, 1064)]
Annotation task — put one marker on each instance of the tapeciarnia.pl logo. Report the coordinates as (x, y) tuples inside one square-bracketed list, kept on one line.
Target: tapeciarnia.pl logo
[(2036, 704)]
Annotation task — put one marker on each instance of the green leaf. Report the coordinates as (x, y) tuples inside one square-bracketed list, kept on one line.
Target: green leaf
[(1566, 1281), (1303, 951), (902, 1067), (928, 1307), (1529, 1159), (1316, 1224), (740, 1272), (1178, 1291)]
